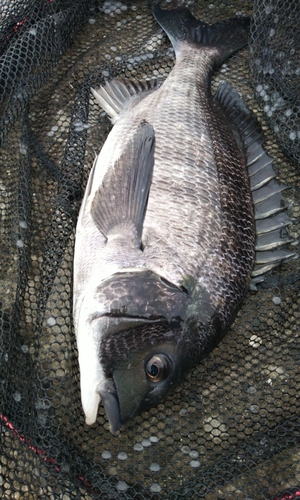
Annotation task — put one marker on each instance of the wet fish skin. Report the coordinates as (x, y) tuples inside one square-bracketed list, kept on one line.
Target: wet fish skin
[(159, 289)]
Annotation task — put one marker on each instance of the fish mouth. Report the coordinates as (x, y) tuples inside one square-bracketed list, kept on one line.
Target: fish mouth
[(120, 316), (110, 401), (112, 406)]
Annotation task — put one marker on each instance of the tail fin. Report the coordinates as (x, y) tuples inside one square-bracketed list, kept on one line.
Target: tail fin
[(181, 26)]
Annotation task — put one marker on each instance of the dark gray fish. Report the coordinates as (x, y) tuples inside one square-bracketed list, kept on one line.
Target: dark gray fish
[(180, 209)]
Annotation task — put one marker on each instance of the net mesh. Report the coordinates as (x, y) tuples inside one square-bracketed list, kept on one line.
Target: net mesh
[(275, 69), (231, 430)]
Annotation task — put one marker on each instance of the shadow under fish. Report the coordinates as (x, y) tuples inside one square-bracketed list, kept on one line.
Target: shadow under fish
[(181, 211)]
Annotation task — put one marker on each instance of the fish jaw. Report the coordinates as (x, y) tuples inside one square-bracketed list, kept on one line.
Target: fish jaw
[(91, 371), (107, 392)]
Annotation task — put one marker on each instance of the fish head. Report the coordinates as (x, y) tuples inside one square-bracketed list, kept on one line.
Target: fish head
[(137, 333), (145, 336)]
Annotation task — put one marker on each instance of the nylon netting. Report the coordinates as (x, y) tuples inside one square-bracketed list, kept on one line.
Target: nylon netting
[(275, 69), (231, 430)]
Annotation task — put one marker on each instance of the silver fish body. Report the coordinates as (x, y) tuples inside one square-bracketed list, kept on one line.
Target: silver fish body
[(165, 240)]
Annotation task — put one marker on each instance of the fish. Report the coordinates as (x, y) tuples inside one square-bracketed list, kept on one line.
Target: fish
[(180, 215)]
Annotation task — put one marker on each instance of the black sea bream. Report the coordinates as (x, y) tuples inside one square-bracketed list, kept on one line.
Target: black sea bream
[(166, 240)]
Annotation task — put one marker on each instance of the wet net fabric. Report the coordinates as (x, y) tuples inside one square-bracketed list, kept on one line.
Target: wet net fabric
[(231, 430), (275, 69)]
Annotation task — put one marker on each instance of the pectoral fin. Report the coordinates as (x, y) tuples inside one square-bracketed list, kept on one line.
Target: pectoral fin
[(121, 200)]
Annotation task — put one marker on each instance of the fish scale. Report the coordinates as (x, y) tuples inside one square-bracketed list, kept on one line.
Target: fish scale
[(177, 169), (168, 221)]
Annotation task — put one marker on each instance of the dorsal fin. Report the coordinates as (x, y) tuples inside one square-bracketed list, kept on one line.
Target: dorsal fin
[(120, 203), (271, 222), (114, 94)]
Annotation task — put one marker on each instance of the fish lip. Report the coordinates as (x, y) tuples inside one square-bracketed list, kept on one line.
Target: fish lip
[(110, 401), (116, 315), (129, 317)]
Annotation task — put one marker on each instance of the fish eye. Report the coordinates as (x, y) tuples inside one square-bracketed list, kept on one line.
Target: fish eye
[(157, 368)]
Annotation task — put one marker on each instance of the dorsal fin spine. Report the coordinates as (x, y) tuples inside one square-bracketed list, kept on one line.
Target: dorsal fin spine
[(266, 191)]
